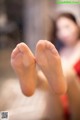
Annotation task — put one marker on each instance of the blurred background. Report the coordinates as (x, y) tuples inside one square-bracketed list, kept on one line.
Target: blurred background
[(24, 21)]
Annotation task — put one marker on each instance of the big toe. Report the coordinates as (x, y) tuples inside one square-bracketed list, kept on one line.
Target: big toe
[(20, 48), (40, 45), (44, 45), (23, 47), (14, 53)]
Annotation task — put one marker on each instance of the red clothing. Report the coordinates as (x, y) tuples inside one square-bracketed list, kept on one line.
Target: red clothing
[(64, 98), (77, 68)]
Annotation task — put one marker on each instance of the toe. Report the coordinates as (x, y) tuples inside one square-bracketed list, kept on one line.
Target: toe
[(23, 47), (51, 47), (15, 52), (40, 45), (44, 45), (48, 44)]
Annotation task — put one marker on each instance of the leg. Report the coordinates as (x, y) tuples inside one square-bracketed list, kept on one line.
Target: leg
[(49, 61), (23, 63), (74, 97)]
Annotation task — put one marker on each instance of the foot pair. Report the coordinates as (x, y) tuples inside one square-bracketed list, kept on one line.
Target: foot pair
[(46, 56)]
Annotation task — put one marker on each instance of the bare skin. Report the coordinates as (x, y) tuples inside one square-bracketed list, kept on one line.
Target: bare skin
[(48, 59), (24, 64)]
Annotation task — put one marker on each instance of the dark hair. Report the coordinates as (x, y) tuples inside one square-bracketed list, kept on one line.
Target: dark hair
[(52, 33), (69, 16), (54, 30)]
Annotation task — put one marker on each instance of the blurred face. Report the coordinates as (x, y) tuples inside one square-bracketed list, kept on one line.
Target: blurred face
[(67, 31)]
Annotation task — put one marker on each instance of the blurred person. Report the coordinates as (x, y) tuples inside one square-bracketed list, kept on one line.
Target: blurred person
[(70, 28), (68, 33), (13, 101), (24, 63)]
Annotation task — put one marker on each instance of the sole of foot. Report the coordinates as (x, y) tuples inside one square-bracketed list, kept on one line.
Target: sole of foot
[(24, 64), (48, 59)]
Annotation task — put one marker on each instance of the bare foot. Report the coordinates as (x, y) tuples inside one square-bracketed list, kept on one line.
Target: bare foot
[(49, 61), (23, 63)]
